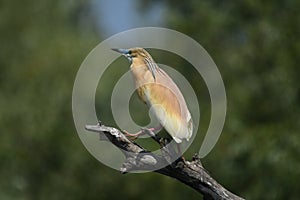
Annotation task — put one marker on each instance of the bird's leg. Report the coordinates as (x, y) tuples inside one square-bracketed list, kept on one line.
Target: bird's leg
[(180, 154), (179, 150), (158, 128), (134, 136)]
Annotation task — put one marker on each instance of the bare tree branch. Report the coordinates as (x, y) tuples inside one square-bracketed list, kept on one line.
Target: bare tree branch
[(191, 173)]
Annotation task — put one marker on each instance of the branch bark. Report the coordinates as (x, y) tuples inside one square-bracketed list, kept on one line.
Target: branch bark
[(191, 173)]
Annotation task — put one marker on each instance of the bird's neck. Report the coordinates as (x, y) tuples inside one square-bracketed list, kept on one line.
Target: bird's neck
[(141, 73)]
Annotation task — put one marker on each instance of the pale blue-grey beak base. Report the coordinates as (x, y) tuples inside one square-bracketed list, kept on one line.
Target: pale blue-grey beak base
[(124, 52)]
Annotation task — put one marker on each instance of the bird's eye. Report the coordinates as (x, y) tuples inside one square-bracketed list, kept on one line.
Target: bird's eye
[(129, 52)]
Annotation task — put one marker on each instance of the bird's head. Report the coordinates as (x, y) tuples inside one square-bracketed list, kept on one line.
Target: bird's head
[(139, 57), (134, 53)]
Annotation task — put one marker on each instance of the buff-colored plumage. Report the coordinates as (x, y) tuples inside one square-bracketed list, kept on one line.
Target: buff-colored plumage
[(156, 89)]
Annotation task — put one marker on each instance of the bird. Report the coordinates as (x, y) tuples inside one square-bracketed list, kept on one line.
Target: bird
[(159, 92)]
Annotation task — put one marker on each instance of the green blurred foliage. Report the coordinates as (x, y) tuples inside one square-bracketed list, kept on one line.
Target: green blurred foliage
[(256, 47)]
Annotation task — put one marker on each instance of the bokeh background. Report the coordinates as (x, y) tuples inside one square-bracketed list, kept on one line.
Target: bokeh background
[(254, 43)]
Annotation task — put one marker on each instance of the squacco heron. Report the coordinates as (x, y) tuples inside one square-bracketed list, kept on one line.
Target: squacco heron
[(159, 92)]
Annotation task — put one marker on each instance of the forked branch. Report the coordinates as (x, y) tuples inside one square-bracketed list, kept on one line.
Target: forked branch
[(137, 158)]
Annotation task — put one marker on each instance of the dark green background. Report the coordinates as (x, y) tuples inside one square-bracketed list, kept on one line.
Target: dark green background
[(256, 47)]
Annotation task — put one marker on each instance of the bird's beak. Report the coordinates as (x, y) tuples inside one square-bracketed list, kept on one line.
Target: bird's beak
[(121, 51), (124, 52)]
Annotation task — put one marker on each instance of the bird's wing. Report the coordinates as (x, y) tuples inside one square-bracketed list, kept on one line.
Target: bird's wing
[(169, 106)]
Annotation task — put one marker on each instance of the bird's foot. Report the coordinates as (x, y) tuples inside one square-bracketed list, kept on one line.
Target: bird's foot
[(182, 159), (132, 136), (143, 131)]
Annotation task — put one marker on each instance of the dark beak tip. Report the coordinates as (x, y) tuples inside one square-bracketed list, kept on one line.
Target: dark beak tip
[(122, 51), (114, 49)]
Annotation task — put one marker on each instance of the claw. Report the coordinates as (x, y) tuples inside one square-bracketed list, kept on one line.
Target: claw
[(132, 136)]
